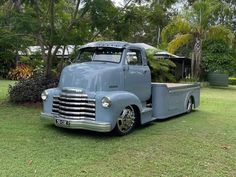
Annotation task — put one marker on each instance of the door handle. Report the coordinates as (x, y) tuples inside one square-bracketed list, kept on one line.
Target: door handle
[(144, 71)]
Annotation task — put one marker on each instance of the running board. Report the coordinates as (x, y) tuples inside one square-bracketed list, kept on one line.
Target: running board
[(146, 115)]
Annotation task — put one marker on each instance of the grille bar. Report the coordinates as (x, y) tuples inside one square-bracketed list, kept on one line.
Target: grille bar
[(74, 95), (75, 106), (75, 99)]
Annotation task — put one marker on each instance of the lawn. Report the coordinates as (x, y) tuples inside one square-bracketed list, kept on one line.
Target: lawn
[(202, 143)]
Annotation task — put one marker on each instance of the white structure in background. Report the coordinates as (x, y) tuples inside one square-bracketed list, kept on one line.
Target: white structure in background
[(183, 64), (63, 52)]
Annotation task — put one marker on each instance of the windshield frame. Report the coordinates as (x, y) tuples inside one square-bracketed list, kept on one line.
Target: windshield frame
[(96, 48)]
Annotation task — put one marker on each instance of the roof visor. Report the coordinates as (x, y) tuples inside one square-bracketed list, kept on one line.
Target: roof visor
[(113, 44)]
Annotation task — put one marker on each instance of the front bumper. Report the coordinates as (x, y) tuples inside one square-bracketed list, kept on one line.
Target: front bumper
[(78, 124)]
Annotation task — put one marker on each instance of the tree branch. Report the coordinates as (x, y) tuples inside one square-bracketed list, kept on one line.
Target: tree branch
[(101, 32), (73, 19)]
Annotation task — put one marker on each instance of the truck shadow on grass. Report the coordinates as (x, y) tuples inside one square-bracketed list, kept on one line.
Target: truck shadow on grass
[(176, 117), (109, 135), (162, 121), (81, 133)]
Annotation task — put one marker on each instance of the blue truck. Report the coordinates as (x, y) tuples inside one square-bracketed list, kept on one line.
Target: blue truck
[(109, 88)]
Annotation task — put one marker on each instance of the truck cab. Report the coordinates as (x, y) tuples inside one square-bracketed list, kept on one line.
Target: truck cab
[(107, 89)]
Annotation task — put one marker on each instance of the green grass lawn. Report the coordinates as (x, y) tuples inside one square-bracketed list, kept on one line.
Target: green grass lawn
[(202, 143)]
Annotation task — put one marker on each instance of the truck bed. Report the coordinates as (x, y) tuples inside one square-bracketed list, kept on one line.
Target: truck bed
[(170, 99), (175, 85)]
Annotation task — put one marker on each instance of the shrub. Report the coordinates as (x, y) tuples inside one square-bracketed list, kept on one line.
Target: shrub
[(232, 80), (218, 57), (22, 71), (162, 70), (7, 61), (30, 90), (35, 61)]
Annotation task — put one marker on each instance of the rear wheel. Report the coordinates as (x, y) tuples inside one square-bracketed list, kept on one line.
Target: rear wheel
[(190, 105), (126, 121)]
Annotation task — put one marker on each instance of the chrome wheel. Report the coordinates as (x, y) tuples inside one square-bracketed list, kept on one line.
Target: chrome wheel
[(126, 121)]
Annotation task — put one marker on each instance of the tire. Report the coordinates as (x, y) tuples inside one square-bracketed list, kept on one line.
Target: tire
[(190, 105), (126, 122)]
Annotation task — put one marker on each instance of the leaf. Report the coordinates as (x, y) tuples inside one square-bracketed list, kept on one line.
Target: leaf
[(179, 41)]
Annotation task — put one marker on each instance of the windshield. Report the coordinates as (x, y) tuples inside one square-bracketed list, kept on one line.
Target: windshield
[(102, 54)]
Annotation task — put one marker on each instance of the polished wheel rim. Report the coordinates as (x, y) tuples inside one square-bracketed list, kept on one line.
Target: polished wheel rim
[(126, 120)]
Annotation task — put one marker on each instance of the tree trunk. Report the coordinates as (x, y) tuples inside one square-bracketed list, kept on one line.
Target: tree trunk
[(196, 58), (17, 5), (158, 35), (48, 72)]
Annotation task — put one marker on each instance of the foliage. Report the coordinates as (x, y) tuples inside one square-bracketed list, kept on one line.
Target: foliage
[(194, 27), (22, 71), (48, 24), (232, 80), (35, 61), (10, 41), (162, 70), (6, 61), (55, 23), (217, 57), (29, 90), (7, 54)]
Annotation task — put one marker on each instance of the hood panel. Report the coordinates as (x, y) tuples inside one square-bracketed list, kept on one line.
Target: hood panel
[(92, 76)]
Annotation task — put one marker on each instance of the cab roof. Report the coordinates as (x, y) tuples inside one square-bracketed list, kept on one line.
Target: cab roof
[(114, 44)]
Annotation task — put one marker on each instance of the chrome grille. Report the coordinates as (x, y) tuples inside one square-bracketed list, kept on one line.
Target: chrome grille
[(74, 106)]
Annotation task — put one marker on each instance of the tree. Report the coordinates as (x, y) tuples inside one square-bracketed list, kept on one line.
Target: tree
[(142, 21), (48, 23), (10, 41), (227, 15), (194, 29), (218, 57)]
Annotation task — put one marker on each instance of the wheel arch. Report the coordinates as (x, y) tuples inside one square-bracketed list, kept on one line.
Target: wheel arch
[(138, 112), (188, 96), (193, 99), (120, 100)]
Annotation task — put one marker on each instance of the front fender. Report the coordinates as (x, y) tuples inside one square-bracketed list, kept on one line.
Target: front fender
[(119, 100), (47, 104)]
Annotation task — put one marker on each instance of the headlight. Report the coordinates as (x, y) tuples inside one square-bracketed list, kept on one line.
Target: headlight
[(106, 102), (44, 95)]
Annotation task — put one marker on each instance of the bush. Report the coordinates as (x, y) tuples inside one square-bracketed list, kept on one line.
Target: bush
[(162, 70), (232, 80), (35, 61), (22, 71), (7, 61), (218, 57), (30, 90)]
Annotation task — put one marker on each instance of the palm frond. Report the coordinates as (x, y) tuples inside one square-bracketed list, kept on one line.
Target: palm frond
[(220, 32), (179, 41), (178, 25), (203, 11)]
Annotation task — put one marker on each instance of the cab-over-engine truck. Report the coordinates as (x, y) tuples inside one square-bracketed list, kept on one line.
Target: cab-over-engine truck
[(109, 88)]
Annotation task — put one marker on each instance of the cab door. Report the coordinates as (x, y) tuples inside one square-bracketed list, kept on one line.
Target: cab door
[(137, 74)]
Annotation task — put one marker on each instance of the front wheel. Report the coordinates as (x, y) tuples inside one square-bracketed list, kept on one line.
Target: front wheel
[(126, 121)]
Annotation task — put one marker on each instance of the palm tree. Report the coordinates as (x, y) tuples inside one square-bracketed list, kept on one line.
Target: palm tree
[(194, 28)]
